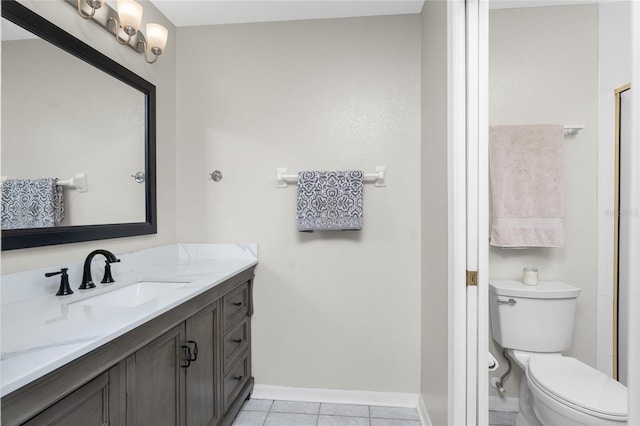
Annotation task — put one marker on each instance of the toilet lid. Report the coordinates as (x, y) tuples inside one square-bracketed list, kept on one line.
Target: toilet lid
[(584, 388)]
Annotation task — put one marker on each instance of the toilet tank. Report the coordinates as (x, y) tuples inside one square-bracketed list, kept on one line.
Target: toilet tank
[(536, 318)]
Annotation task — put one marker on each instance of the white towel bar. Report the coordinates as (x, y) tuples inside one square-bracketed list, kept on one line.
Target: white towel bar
[(572, 129), (378, 178), (79, 182)]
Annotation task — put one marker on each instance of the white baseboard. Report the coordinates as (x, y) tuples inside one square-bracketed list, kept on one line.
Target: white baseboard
[(510, 404), (288, 393), (422, 412), (337, 396)]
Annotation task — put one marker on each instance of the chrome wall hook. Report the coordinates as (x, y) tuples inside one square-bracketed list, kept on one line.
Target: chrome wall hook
[(216, 175), (138, 177)]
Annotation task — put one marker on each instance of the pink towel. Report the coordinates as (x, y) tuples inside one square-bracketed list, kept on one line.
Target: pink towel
[(527, 185)]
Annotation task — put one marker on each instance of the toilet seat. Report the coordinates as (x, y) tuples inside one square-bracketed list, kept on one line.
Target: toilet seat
[(578, 386)]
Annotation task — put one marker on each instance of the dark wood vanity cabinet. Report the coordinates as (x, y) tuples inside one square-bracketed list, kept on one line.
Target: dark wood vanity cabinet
[(236, 343), (154, 375), (88, 406), (203, 405), (155, 382)]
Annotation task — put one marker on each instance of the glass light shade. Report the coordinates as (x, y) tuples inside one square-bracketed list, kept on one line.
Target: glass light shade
[(130, 14), (156, 36)]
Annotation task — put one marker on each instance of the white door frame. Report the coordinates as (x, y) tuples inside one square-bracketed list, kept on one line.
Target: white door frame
[(472, 169), (456, 182), (478, 193), (468, 210), (477, 170)]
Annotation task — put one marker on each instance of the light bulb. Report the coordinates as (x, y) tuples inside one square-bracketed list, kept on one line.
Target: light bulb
[(130, 14), (156, 37)]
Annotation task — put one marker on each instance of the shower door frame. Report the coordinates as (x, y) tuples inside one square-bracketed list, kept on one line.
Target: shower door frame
[(616, 232)]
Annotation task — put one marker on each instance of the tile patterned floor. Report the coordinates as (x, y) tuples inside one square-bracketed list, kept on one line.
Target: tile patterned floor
[(265, 412), (502, 418)]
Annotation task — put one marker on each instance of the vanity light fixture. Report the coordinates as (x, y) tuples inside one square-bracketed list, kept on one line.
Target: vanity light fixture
[(93, 4), (130, 15), (156, 40), (129, 18)]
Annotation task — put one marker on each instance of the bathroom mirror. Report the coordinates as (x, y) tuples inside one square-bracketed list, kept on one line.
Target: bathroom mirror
[(100, 122)]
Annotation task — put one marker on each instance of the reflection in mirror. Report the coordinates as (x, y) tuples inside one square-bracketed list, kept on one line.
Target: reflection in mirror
[(69, 118), (68, 109), (560, 65)]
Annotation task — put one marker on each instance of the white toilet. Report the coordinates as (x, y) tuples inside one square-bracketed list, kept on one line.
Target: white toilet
[(535, 324)]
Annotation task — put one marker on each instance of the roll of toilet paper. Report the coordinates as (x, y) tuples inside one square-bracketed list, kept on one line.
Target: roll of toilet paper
[(493, 363)]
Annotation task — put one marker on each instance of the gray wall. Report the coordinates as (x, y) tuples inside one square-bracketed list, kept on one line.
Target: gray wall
[(434, 217), (614, 56), (543, 68), (333, 310)]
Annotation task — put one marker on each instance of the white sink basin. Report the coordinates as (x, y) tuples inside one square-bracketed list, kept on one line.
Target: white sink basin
[(138, 293)]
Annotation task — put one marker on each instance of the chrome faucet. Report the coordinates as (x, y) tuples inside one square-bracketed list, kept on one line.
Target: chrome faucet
[(87, 280)]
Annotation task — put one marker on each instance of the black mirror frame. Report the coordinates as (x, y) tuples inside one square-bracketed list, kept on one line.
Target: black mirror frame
[(24, 238)]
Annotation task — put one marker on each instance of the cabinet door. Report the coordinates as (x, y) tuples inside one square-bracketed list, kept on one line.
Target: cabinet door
[(87, 406), (203, 402), (155, 382)]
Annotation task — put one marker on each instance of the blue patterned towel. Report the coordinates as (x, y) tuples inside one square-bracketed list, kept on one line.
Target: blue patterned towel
[(31, 203), (330, 201)]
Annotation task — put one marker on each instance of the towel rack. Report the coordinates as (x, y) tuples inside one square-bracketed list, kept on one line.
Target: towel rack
[(378, 178), (572, 129), (79, 182)]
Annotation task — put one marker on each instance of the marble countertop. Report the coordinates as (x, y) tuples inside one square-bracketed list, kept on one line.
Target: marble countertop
[(41, 331)]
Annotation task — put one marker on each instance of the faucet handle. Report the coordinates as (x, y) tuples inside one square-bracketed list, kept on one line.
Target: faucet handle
[(64, 289), (108, 278)]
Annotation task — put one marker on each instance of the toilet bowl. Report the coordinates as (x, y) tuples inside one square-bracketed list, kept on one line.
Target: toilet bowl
[(535, 324), (568, 392)]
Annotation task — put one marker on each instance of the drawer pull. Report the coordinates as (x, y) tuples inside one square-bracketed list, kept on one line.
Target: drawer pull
[(237, 303), (238, 378), (238, 341)]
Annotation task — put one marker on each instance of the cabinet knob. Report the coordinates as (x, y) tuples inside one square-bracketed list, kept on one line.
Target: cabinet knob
[(238, 341), (238, 378), (237, 303)]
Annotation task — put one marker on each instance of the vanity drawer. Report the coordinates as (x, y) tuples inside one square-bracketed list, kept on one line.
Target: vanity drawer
[(235, 342), (235, 380), (235, 306)]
